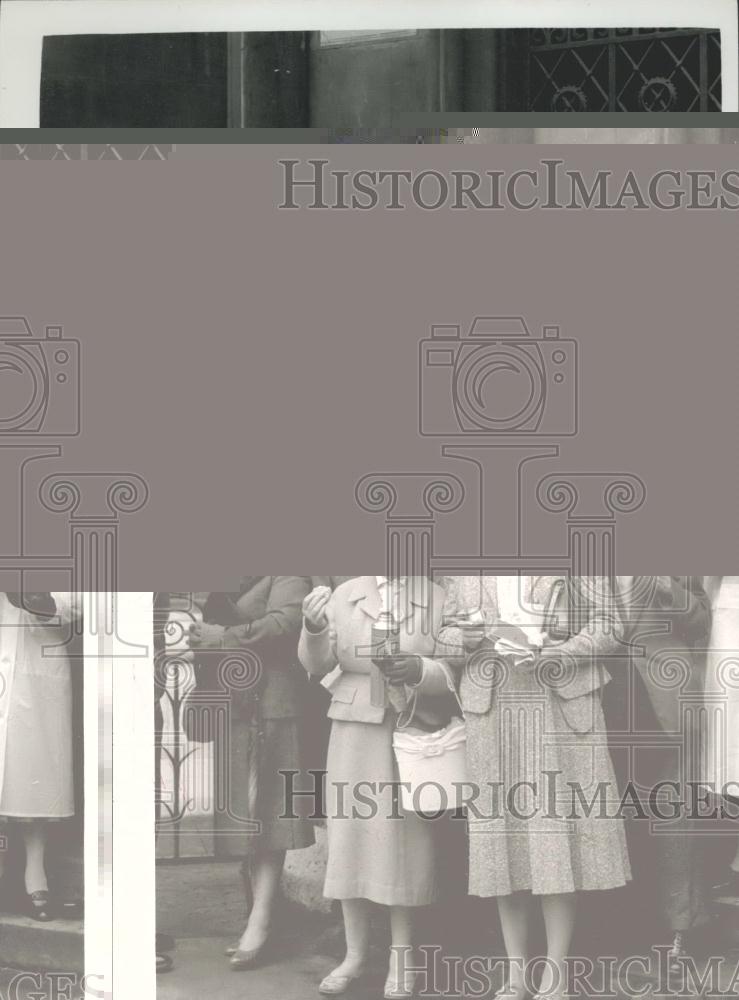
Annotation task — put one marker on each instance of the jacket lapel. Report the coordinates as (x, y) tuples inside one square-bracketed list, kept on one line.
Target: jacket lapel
[(364, 594)]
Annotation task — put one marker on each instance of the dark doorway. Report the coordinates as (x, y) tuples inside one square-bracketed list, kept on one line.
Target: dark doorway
[(134, 81)]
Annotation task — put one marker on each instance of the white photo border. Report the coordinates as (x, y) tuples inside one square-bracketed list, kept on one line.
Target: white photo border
[(133, 964)]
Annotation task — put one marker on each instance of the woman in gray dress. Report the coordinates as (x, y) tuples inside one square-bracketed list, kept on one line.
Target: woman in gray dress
[(537, 755)]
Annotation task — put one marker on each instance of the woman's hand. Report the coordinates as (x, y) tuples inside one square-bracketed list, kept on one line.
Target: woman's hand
[(402, 669), (205, 636), (314, 609), (472, 636)]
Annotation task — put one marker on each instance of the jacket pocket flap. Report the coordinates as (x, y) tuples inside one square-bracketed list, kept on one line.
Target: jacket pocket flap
[(345, 693)]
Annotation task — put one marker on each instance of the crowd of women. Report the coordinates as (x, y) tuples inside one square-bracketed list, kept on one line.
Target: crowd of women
[(558, 680)]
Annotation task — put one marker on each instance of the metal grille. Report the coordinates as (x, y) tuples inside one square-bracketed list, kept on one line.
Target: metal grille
[(624, 69), (187, 771)]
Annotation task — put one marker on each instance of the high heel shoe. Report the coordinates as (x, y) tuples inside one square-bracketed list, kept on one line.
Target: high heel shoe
[(242, 960), (38, 905)]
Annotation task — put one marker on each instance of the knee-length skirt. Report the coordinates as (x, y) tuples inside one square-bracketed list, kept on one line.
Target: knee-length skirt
[(258, 816), (376, 851), (37, 780), (534, 832)]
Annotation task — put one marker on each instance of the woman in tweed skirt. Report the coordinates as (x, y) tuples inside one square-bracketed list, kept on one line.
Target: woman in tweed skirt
[(535, 732)]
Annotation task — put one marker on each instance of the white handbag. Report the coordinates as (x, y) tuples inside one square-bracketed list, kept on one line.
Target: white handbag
[(432, 766)]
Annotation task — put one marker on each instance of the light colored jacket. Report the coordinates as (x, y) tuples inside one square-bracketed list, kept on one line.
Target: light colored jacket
[(340, 653), (573, 667)]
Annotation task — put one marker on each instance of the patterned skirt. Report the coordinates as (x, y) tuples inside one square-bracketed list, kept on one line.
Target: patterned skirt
[(533, 827)]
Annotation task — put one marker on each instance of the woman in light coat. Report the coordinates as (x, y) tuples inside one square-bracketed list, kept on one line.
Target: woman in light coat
[(36, 778), (376, 852)]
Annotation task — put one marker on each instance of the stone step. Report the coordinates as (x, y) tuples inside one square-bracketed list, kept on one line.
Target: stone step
[(305, 871), (55, 946)]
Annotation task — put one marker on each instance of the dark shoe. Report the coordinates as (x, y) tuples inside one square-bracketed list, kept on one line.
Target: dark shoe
[(164, 962), (38, 905)]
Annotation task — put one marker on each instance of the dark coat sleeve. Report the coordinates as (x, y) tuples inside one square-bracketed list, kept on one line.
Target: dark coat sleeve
[(278, 628)]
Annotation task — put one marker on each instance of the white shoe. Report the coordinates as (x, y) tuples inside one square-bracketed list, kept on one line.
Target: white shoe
[(334, 985), (400, 990)]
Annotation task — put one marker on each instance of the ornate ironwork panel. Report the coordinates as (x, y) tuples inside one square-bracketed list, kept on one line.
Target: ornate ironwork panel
[(624, 69), (187, 773)]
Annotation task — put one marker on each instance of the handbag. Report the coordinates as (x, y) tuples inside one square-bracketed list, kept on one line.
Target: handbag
[(432, 766)]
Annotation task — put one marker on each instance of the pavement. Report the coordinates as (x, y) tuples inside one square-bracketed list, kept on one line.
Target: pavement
[(201, 969), (202, 906)]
